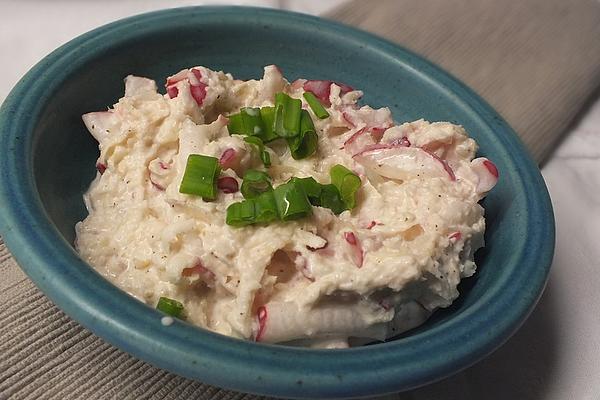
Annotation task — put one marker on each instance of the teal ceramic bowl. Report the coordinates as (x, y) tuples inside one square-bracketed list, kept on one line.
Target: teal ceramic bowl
[(47, 161)]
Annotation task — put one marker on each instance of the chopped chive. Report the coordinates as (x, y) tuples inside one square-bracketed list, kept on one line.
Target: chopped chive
[(315, 105), (241, 214), (292, 202), (265, 157), (268, 116), (347, 183), (254, 183), (200, 176), (265, 208), (236, 125), (287, 115), (247, 122), (311, 187), (304, 144), (330, 198), (170, 307)]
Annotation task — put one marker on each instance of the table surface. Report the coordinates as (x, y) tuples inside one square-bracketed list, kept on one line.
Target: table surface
[(556, 354)]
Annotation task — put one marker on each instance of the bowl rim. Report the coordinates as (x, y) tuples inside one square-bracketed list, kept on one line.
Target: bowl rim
[(226, 362)]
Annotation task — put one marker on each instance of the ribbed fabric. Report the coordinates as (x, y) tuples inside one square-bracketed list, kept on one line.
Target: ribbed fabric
[(536, 61)]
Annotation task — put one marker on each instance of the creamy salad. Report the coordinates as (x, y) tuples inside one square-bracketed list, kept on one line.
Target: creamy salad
[(203, 205)]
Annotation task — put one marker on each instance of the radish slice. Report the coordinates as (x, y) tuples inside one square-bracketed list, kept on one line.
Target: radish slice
[(227, 184), (158, 186), (399, 162), (181, 75), (322, 89), (198, 92), (135, 85), (228, 158), (455, 236), (172, 91), (262, 322), (357, 251), (284, 321), (101, 124), (198, 75), (486, 172)]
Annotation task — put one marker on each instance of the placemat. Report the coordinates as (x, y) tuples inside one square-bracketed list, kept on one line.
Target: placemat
[(536, 61)]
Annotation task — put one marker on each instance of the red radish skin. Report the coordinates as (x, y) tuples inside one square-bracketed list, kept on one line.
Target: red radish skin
[(227, 158), (353, 138), (382, 146), (163, 165), (455, 236), (198, 93), (347, 118), (444, 163), (198, 74), (402, 142), (262, 322), (357, 250), (101, 167), (491, 167), (322, 89), (377, 133), (172, 91), (157, 186), (371, 225), (227, 184)]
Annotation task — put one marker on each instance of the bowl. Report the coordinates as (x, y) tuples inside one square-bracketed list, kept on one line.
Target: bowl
[(48, 160)]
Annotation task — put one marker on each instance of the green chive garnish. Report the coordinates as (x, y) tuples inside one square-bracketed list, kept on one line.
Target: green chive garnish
[(347, 183), (292, 202), (170, 307), (315, 105), (265, 208), (236, 125), (304, 144), (200, 176), (330, 198), (287, 115), (265, 157), (241, 214), (311, 187), (268, 116), (254, 183), (247, 122)]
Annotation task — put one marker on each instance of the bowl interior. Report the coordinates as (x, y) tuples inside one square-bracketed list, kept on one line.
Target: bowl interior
[(87, 75)]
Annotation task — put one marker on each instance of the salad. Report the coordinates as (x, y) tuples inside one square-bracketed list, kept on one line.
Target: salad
[(281, 212)]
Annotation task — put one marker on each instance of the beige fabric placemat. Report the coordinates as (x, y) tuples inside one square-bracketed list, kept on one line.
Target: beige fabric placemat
[(536, 61)]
